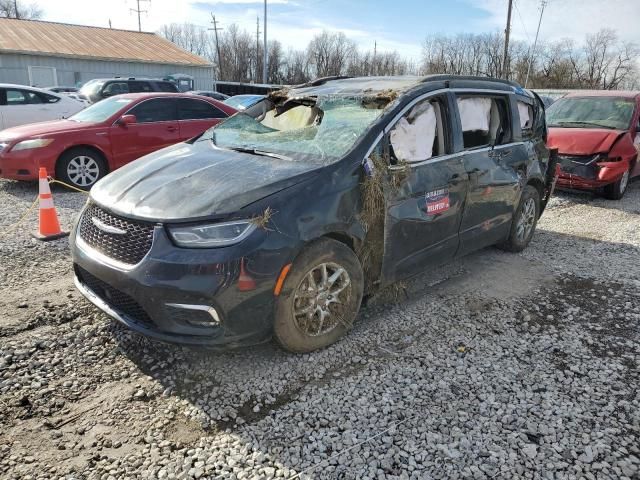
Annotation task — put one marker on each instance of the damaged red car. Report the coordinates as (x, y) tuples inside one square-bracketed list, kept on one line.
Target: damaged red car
[(597, 137)]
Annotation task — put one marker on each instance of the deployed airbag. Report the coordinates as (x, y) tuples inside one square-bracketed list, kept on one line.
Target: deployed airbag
[(412, 137), (525, 115), (475, 113)]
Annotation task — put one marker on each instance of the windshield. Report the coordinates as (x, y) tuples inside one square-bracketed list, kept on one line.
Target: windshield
[(322, 133), (597, 112), (99, 112)]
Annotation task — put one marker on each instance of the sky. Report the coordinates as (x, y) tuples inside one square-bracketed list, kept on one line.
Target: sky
[(400, 25)]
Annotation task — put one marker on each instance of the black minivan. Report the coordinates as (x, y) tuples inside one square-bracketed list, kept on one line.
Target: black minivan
[(277, 221), (100, 88)]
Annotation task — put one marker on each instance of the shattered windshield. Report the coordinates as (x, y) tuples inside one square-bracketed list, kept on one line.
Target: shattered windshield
[(596, 112), (323, 132)]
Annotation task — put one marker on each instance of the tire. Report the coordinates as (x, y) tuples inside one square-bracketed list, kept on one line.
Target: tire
[(615, 191), (69, 167), (300, 323), (524, 221)]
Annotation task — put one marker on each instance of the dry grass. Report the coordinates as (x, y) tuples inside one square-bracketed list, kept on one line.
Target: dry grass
[(261, 221)]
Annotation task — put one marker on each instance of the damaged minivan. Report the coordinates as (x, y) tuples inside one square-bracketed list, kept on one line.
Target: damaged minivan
[(277, 222)]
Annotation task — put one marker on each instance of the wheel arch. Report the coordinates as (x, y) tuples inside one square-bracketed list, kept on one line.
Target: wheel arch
[(97, 150)]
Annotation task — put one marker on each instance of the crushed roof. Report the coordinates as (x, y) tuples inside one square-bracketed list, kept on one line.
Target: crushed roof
[(64, 40)]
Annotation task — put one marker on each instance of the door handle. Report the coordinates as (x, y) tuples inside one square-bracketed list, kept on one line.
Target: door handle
[(172, 129), (499, 154), (475, 173), (455, 179)]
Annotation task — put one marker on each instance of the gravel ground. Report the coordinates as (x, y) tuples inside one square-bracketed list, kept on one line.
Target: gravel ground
[(495, 366)]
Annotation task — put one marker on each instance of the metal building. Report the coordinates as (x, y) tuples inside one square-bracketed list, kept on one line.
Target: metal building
[(45, 54)]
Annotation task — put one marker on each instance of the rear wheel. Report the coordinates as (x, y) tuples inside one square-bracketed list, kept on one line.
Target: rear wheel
[(320, 298), (616, 190), (81, 167), (524, 221)]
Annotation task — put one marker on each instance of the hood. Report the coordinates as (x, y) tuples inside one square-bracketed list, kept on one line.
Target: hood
[(40, 129), (191, 181), (582, 141)]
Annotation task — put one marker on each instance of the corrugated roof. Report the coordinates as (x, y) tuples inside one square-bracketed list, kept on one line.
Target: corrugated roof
[(79, 41)]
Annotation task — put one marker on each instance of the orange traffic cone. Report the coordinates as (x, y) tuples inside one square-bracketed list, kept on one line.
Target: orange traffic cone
[(49, 228), (245, 281)]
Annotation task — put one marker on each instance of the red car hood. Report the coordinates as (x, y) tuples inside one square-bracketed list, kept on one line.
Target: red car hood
[(41, 128), (582, 141)]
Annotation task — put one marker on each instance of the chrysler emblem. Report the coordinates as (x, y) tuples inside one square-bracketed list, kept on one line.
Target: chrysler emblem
[(107, 228)]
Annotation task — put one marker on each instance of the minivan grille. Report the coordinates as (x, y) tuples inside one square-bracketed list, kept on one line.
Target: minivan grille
[(116, 299), (128, 243)]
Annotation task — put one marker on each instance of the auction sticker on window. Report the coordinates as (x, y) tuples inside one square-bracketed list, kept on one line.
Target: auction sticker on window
[(436, 201)]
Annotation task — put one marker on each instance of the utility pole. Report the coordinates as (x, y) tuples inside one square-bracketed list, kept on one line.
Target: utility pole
[(543, 4), (215, 30), (375, 54), (507, 32), (139, 12), (265, 58), (257, 47)]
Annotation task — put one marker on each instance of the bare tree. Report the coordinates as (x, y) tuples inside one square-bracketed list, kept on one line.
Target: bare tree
[(329, 53), (602, 61), (18, 9)]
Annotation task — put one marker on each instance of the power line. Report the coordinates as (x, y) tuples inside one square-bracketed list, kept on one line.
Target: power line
[(543, 4), (522, 22), (139, 12)]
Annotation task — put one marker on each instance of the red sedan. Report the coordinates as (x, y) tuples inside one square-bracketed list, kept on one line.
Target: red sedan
[(107, 135)]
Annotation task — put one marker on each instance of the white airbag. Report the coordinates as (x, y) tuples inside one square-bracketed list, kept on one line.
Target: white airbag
[(412, 137), (525, 116), (475, 113)]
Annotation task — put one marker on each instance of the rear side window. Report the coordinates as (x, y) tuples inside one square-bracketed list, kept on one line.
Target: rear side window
[(525, 112), (484, 120), (192, 109), (155, 110), (26, 97), (46, 98), (116, 88), (139, 87), (166, 87)]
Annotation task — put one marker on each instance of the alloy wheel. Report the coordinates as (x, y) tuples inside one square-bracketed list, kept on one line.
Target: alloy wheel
[(83, 170), (527, 220), (319, 299)]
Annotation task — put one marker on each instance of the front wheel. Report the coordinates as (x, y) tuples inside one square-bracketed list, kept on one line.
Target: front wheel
[(524, 221), (321, 297), (616, 190), (81, 168)]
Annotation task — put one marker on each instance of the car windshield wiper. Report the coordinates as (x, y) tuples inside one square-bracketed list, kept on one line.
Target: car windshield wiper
[(584, 124), (254, 151)]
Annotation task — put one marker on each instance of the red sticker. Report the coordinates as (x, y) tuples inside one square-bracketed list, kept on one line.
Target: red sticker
[(437, 201)]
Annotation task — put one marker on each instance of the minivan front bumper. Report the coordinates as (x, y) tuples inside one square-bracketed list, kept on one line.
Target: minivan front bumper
[(214, 297)]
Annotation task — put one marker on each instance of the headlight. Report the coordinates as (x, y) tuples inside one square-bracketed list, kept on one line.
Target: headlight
[(212, 235), (29, 144)]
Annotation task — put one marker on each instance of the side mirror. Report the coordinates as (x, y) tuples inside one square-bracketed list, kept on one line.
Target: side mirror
[(126, 120)]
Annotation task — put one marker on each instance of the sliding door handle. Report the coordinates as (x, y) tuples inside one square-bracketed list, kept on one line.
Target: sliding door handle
[(455, 179)]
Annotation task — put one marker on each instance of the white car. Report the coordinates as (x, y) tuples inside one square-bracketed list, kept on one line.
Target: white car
[(20, 104)]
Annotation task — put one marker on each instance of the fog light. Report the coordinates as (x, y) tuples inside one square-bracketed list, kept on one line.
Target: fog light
[(195, 315)]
